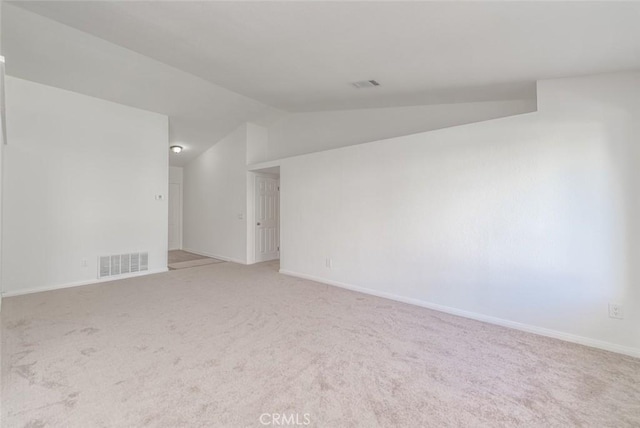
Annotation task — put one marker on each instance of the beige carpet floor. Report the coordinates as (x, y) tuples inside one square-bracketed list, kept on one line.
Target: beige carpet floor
[(220, 345)]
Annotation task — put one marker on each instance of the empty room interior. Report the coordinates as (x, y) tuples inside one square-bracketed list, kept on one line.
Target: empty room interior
[(320, 213)]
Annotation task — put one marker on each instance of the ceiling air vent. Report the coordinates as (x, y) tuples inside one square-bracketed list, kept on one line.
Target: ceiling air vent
[(366, 84)]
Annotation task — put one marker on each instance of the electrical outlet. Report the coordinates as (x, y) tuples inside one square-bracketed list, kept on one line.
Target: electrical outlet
[(84, 263), (329, 263), (615, 311)]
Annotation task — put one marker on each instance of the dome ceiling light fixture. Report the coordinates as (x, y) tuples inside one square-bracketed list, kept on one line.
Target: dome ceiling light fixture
[(176, 149)]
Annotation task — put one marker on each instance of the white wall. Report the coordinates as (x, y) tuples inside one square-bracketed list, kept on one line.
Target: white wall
[(257, 143), (175, 174), (201, 113), (219, 202), (176, 177), (301, 133), (80, 180), (1, 156), (215, 201), (530, 221)]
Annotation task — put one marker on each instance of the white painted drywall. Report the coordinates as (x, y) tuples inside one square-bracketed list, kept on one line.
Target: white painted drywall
[(215, 202), (531, 220), (257, 143), (48, 52), (301, 133), (301, 56), (176, 174), (80, 179), (1, 161)]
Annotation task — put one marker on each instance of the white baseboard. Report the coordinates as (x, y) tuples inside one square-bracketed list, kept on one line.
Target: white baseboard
[(215, 256), (80, 283), (594, 343)]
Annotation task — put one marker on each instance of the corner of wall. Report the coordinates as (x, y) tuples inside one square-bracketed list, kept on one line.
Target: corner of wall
[(219, 174), (2, 131), (257, 143)]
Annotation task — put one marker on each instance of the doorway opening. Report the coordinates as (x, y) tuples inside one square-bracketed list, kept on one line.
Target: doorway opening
[(264, 227)]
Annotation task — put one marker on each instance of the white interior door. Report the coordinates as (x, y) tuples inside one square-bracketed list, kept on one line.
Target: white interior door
[(175, 216), (267, 218)]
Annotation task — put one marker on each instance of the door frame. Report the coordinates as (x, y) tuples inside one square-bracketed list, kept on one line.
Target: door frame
[(251, 213)]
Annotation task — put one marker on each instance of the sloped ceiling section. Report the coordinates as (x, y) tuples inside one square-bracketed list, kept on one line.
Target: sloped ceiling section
[(210, 66), (200, 112), (301, 56)]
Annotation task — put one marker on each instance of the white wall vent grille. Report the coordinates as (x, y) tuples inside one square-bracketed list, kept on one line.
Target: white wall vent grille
[(104, 266), (122, 264), (125, 263), (144, 261), (115, 265), (135, 262)]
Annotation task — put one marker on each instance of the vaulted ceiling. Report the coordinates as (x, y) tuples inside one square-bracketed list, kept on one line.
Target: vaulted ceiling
[(302, 56)]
